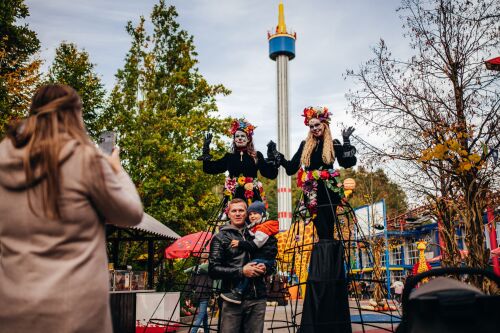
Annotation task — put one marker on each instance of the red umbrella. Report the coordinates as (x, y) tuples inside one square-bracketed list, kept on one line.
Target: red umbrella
[(192, 244), (493, 64)]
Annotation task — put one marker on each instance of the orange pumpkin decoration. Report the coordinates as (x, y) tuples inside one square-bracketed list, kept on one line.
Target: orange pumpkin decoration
[(349, 184)]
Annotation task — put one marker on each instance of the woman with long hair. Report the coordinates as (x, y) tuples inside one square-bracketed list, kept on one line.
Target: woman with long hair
[(326, 307), (242, 163), (57, 191)]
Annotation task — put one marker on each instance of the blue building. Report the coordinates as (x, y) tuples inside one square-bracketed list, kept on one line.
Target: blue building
[(400, 235)]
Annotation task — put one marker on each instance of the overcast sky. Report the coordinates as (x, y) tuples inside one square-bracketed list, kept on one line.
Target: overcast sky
[(231, 40)]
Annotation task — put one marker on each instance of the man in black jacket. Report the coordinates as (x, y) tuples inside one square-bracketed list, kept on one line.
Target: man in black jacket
[(231, 264)]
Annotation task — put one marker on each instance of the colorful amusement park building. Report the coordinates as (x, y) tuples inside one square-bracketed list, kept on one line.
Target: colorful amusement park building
[(401, 235)]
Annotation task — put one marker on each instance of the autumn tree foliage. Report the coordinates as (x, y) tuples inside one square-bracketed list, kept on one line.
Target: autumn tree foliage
[(160, 107), (19, 67), (373, 186), (73, 67), (440, 109)]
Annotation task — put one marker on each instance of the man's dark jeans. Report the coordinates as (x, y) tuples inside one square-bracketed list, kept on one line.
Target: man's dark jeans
[(247, 317)]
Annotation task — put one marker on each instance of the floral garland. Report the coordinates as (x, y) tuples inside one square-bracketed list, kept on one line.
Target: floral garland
[(319, 112), (248, 183), (308, 181), (241, 125)]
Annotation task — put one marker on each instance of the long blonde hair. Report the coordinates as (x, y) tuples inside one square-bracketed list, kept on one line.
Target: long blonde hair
[(328, 153), (54, 115)]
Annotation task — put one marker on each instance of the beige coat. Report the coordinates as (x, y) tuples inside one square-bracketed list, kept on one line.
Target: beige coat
[(53, 274)]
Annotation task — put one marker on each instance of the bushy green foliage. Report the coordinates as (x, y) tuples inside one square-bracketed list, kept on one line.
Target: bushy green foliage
[(160, 107), (19, 70), (74, 68)]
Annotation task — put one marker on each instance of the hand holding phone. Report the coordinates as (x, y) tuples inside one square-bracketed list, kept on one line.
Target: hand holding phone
[(107, 142), (114, 160)]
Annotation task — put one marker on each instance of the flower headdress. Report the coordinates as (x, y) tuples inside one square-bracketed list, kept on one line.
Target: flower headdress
[(319, 112), (241, 125)]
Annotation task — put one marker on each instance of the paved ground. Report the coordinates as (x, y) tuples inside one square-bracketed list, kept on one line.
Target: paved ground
[(374, 322), (277, 318)]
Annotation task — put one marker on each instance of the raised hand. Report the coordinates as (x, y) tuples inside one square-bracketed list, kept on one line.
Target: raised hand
[(206, 148), (346, 133), (273, 155), (206, 143), (271, 149)]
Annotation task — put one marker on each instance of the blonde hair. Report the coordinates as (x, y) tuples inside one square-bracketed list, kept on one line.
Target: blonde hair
[(328, 154)]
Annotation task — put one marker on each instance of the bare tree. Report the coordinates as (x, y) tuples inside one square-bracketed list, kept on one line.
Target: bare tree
[(440, 109)]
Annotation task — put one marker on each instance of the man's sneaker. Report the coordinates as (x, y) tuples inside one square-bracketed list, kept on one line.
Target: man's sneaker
[(231, 297)]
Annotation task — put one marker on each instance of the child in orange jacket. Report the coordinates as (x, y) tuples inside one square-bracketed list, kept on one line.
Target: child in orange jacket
[(263, 248)]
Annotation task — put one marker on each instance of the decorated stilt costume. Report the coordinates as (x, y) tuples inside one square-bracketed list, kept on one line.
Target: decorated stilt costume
[(243, 163), (326, 307)]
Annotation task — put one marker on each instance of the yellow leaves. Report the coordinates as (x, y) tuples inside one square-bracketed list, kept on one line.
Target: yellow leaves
[(475, 158), (452, 151), (453, 144), (426, 155), (436, 152), (470, 161), (464, 166), (439, 151)]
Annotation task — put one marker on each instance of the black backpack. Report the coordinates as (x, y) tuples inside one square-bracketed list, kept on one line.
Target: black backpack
[(446, 305)]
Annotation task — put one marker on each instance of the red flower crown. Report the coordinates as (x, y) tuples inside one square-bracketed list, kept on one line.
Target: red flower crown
[(241, 125), (318, 112)]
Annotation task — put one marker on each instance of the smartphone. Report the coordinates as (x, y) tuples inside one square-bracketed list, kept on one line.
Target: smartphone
[(107, 142)]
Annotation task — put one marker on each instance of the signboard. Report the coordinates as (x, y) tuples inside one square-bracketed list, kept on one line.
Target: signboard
[(369, 216)]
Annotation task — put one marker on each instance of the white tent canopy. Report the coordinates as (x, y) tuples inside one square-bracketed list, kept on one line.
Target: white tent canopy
[(151, 225)]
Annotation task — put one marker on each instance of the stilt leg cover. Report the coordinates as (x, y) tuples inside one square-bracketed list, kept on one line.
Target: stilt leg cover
[(326, 306)]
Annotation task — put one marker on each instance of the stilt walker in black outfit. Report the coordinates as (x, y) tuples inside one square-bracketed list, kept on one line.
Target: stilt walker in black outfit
[(326, 305), (242, 162)]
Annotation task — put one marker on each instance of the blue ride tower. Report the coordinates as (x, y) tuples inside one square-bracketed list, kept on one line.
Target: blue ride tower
[(281, 50)]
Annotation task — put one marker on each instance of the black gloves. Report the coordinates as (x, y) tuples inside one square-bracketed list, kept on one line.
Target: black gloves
[(346, 133), (271, 148), (206, 148), (273, 155)]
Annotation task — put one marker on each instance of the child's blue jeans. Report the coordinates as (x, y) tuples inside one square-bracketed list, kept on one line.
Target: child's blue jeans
[(243, 285)]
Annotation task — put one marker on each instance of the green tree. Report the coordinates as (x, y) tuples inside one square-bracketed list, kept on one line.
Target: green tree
[(375, 186), (270, 187), (160, 107), (19, 70), (74, 68)]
